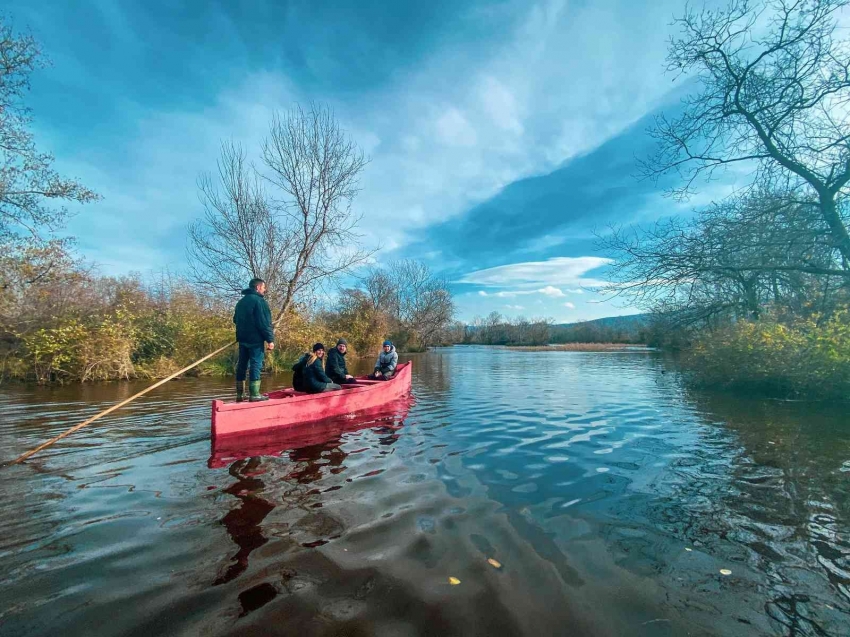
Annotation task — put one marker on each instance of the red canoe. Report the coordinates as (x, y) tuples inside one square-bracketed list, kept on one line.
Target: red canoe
[(288, 407)]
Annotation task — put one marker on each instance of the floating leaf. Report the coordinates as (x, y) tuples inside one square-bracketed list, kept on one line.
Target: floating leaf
[(725, 571), (454, 581), (494, 563)]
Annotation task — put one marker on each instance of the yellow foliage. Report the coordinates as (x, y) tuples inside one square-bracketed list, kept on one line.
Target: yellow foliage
[(809, 356)]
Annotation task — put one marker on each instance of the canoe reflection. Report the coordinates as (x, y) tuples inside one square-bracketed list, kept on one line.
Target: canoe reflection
[(315, 448)]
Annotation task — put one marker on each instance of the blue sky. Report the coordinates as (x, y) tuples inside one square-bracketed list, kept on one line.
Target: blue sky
[(501, 133)]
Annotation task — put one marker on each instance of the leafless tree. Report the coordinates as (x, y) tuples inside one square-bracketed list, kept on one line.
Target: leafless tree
[(380, 290), (27, 178), (775, 86), (422, 300), (418, 303), (290, 221), (241, 235), (734, 258)]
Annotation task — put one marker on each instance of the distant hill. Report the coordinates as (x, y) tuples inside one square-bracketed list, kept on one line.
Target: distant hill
[(611, 329), (612, 321)]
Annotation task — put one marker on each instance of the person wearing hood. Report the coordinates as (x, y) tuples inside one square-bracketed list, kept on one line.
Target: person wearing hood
[(335, 365), (315, 381), (386, 364), (253, 320)]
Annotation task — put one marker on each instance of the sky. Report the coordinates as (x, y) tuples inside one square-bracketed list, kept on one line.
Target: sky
[(502, 135)]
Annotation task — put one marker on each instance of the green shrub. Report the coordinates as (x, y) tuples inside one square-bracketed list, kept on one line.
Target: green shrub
[(807, 357)]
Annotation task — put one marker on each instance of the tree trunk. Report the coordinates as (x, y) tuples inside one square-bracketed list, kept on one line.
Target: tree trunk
[(836, 226)]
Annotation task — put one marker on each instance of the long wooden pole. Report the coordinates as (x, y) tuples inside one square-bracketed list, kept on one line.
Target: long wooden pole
[(68, 432)]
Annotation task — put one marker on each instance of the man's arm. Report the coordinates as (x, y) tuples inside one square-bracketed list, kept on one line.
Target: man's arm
[(263, 316)]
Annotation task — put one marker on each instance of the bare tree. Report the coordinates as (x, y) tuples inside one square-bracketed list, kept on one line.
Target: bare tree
[(317, 167), (241, 235), (291, 221), (423, 301), (775, 85), (27, 178), (418, 303), (734, 258)]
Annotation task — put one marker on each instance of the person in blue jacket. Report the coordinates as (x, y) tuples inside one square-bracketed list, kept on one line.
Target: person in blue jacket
[(253, 320), (386, 363)]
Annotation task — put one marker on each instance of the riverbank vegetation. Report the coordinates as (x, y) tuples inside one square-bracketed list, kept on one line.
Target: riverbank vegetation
[(288, 219), (754, 287)]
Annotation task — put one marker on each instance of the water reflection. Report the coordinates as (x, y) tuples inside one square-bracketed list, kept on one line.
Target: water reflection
[(784, 503), (243, 522), (313, 451)]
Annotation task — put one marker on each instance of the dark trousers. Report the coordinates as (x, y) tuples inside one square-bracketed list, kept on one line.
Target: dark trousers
[(343, 381), (250, 356), (383, 376)]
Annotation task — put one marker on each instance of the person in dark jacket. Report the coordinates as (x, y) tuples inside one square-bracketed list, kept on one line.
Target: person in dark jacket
[(315, 379), (299, 373), (387, 362), (253, 320), (335, 366)]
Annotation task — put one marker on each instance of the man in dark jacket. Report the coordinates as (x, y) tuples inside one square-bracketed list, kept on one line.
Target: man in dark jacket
[(316, 380), (335, 364), (253, 320)]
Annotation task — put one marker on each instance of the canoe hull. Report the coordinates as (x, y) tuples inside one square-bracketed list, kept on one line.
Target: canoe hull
[(287, 408), (280, 441)]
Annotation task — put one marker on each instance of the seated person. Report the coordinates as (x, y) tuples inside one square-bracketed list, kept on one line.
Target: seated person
[(387, 361), (316, 381), (299, 373), (335, 366)]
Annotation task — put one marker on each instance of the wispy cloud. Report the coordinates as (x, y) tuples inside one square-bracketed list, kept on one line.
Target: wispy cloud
[(570, 305), (549, 290), (550, 273)]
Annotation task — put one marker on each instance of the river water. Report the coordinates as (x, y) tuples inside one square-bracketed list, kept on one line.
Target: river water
[(611, 499)]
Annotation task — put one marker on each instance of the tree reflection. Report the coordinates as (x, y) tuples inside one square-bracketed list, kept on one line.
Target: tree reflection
[(786, 502)]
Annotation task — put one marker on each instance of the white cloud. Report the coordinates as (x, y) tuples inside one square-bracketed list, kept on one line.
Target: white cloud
[(550, 273), (551, 291), (482, 293), (515, 307), (569, 305), (453, 129)]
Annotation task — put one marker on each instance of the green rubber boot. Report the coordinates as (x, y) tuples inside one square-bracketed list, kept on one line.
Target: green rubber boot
[(240, 391), (256, 397)]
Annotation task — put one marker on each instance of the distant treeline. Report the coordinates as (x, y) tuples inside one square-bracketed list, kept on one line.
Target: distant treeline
[(495, 329)]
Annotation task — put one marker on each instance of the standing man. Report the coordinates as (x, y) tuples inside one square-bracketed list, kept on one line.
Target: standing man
[(335, 366), (253, 320)]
